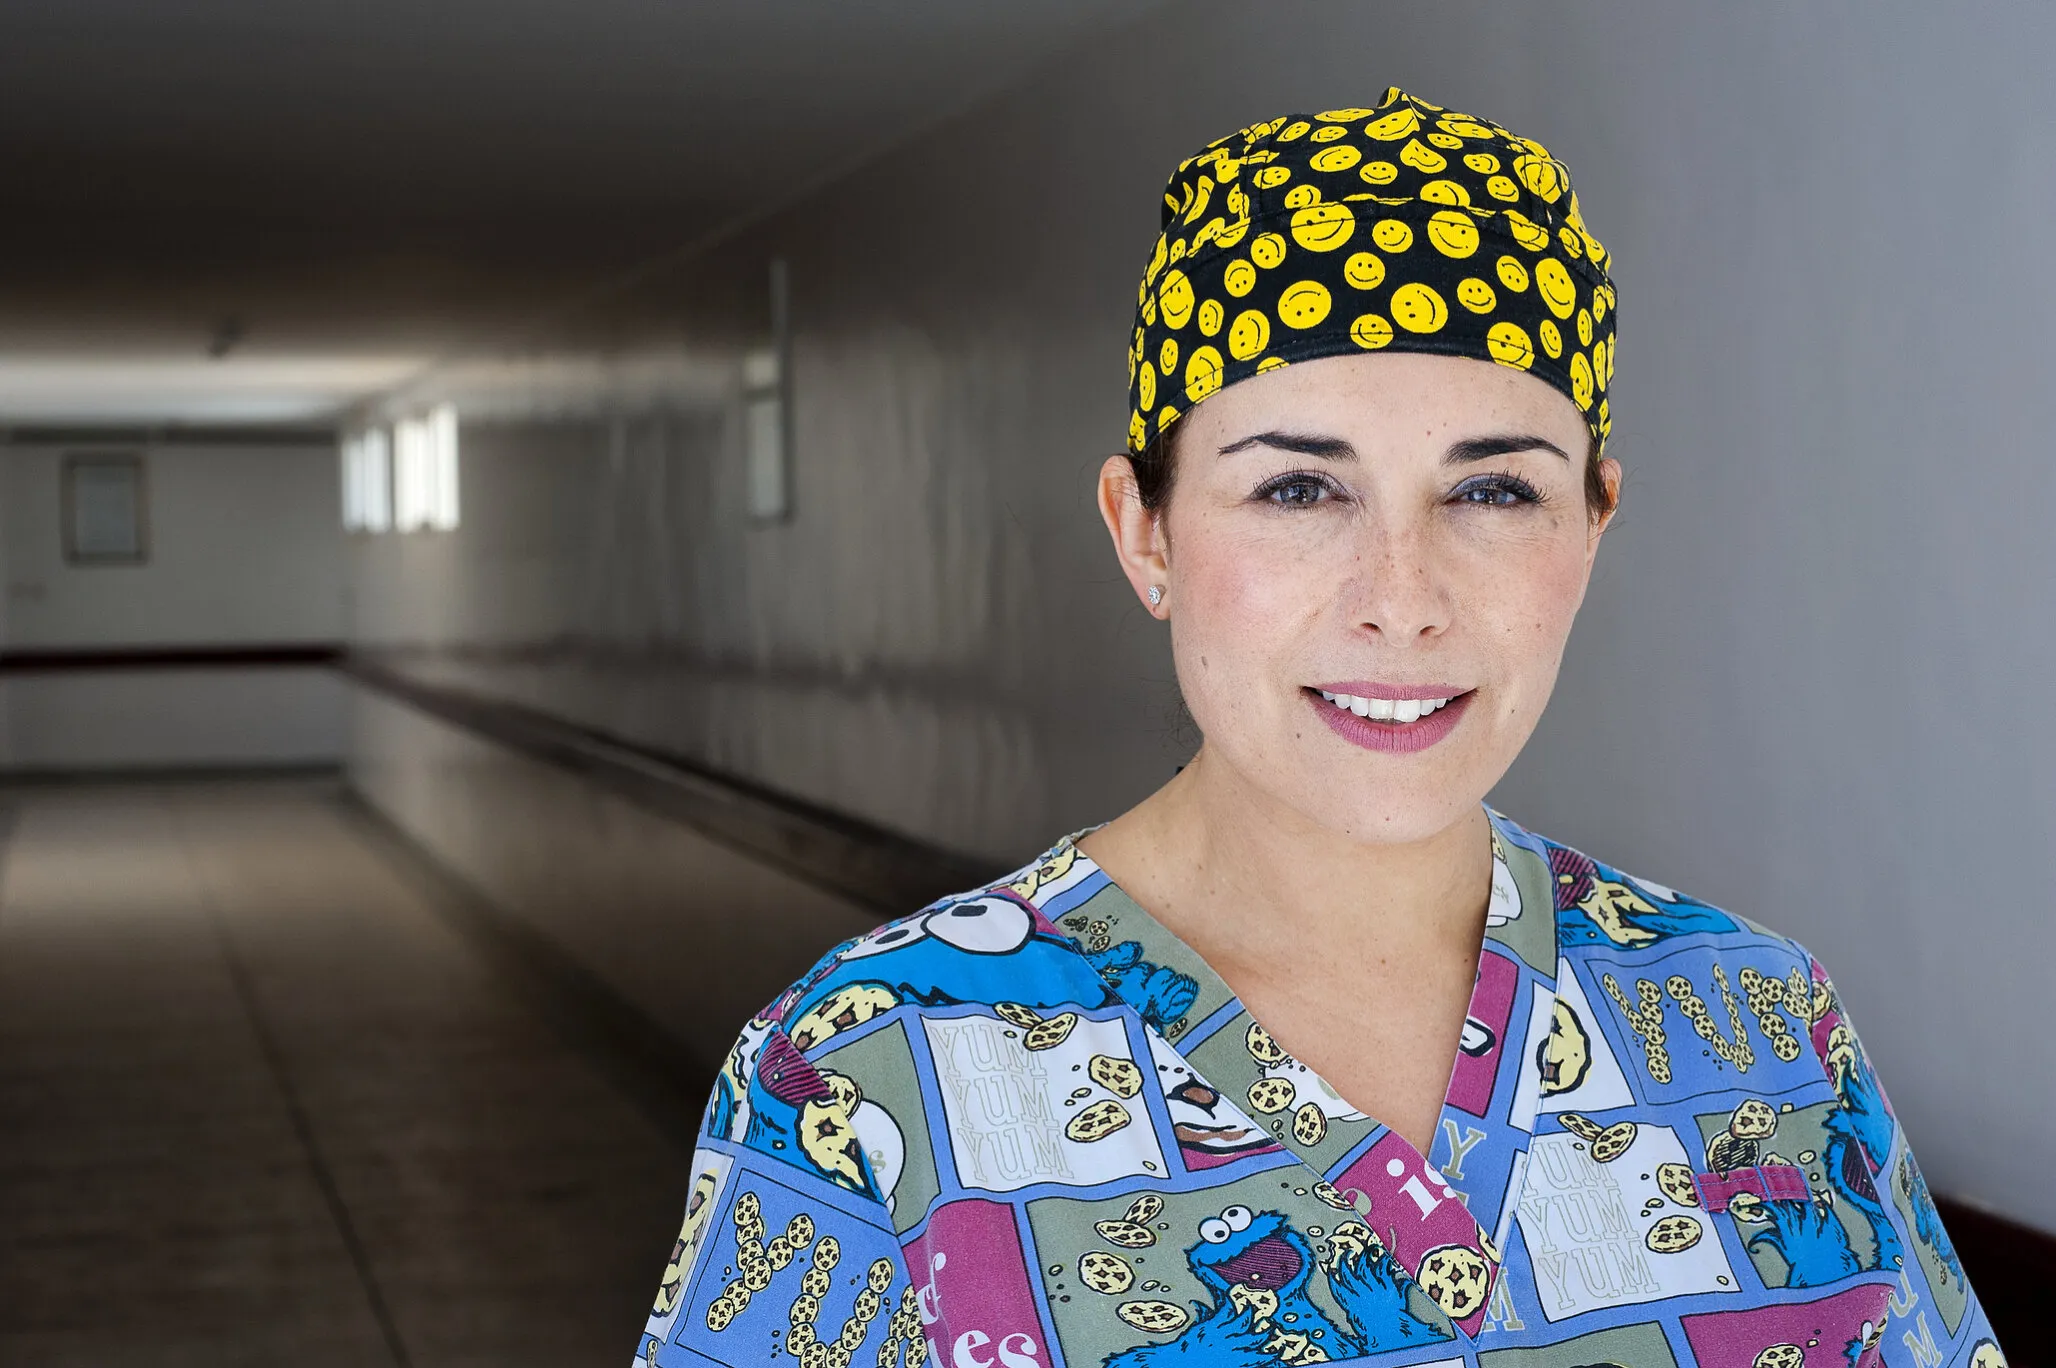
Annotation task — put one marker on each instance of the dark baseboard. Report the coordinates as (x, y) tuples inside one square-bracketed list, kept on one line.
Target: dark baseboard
[(890, 873), (176, 656), (133, 775)]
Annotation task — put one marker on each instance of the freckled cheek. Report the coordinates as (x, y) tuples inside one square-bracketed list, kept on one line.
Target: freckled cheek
[(1243, 605)]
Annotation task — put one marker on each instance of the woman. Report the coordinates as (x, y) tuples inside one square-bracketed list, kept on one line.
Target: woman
[(1311, 1056)]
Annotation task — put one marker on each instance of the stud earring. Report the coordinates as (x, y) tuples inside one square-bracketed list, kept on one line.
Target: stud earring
[(1156, 594)]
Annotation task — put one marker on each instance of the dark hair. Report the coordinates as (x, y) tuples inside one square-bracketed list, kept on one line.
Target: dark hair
[(1156, 466)]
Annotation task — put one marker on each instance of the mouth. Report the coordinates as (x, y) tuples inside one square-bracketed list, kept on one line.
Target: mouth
[(1389, 722), (1269, 1263)]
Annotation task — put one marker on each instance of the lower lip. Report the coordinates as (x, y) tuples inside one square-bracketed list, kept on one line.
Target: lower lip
[(1392, 736)]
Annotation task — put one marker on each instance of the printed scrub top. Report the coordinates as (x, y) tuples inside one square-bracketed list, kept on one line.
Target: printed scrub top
[(1029, 1127)]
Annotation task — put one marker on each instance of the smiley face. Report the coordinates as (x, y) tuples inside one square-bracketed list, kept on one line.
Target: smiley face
[(1300, 196), (1336, 158), (1378, 173), (1502, 188), (1581, 380), (1211, 316), (1271, 177), (1239, 278), (1167, 357), (1446, 192), (1176, 298), (1403, 122), (1249, 334), (1303, 304), (1526, 231), (1392, 235), (1552, 338), (1475, 295), (1417, 308), (1512, 274), (1145, 385), (1323, 227), (1371, 332), (1421, 157), (1553, 282), (1509, 345), (1268, 250), (1484, 163), (1452, 233), (1541, 175), (1202, 373)]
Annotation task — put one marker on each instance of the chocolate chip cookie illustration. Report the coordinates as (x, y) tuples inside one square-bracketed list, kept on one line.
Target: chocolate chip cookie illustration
[(1675, 1182), (1309, 1124), (1120, 1077), (1097, 1121), (1049, 1034), (1262, 1048), (1026, 1018), (1584, 1127), (1753, 1120), (1270, 1095), (1127, 1234), (1613, 1142), (1673, 1233), (1457, 1277), (1155, 1317), (1779, 1356), (1145, 1208), (1105, 1273)]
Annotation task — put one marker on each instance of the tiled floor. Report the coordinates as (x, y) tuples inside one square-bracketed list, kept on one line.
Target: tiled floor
[(260, 1103)]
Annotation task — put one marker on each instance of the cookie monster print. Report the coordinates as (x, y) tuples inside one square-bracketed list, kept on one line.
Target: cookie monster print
[(1257, 1270), (1119, 1166)]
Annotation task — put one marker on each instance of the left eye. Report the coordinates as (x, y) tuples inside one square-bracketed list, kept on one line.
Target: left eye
[(1296, 491), (1214, 1230), (1237, 1217), (1500, 492)]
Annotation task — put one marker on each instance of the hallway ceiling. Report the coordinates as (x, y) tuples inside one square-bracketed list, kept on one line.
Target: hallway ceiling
[(333, 194)]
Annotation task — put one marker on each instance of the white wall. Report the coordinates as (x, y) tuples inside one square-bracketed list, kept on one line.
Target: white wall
[(245, 549), (1808, 683)]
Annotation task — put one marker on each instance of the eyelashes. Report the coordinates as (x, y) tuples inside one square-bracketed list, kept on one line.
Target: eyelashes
[(1310, 488)]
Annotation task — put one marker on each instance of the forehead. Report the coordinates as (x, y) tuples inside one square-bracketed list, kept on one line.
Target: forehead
[(1392, 397)]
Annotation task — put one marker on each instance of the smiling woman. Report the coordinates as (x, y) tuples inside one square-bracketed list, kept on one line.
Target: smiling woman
[(1312, 1056)]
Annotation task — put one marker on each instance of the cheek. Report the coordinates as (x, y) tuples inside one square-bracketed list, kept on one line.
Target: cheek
[(1242, 597)]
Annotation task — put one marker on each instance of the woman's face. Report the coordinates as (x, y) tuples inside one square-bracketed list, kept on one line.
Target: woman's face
[(1379, 530)]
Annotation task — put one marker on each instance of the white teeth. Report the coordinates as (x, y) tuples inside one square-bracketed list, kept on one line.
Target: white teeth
[(1397, 711)]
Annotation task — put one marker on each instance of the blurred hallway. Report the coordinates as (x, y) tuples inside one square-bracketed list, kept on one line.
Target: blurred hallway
[(260, 1102)]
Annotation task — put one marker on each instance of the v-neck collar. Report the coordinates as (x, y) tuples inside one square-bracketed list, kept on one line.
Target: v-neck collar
[(1411, 1205)]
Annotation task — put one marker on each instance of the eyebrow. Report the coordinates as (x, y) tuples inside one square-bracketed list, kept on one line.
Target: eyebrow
[(1336, 449)]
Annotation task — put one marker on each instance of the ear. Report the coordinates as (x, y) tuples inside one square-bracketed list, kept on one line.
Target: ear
[(1610, 476), (1138, 534)]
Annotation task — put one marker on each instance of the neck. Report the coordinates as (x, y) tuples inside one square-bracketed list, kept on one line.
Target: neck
[(1243, 877)]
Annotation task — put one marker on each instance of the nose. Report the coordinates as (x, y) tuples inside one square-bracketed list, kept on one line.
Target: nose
[(1400, 589), (1197, 1094)]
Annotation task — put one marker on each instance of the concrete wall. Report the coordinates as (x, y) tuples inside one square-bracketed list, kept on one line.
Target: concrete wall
[(1808, 680), (245, 549)]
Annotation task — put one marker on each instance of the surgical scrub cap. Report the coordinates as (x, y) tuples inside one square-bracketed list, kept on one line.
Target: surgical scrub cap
[(1401, 228)]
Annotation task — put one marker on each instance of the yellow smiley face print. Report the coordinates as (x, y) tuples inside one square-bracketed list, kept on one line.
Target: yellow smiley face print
[(1378, 173), (1211, 316), (1553, 282), (1268, 250), (1392, 235), (1509, 345), (1303, 304), (1444, 191), (1271, 177), (1502, 188), (1403, 122), (1370, 332), (1421, 157), (1300, 196), (1475, 295), (1294, 131), (1526, 231), (1323, 227), (1584, 327), (1364, 270), (1417, 308), (1145, 385), (1453, 233), (1175, 296), (1484, 163), (1239, 278), (1336, 158), (1552, 338), (1249, 334), (1512, 274), (1540, 175), (1203, 373), (1581, 380), (1167, 357), (1328, 135)]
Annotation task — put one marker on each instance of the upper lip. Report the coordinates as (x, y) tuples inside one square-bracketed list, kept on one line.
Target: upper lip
[(1364, 688)]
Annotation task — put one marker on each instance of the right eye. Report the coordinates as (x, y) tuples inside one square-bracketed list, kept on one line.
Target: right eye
[(1300, 489), (1214, 1230)]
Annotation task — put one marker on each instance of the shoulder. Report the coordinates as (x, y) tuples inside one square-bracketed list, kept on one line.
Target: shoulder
[(986, 946), (1603, 909)]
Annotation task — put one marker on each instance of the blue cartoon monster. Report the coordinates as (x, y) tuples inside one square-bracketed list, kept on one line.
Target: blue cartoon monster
[(1859, 1141), (1257, 1270), (1162, 995), (1811, 1240), (1927, 1222)]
